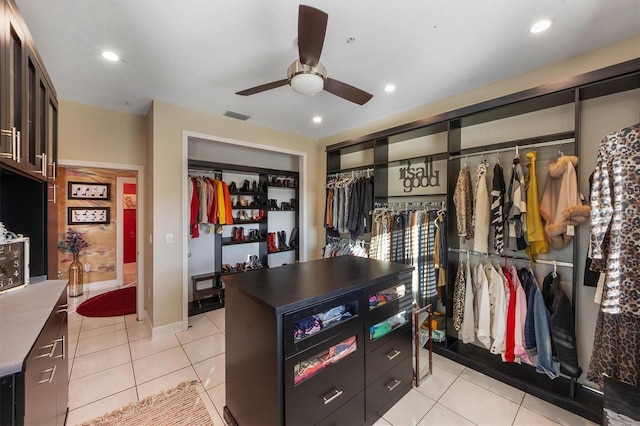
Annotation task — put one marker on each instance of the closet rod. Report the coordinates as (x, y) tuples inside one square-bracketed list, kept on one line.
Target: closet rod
[(212, 172), (506, 256), (353, 173), (496, 151), (440, 204)]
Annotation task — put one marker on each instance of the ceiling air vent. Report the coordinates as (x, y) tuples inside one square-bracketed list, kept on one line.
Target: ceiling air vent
[(236, 115)]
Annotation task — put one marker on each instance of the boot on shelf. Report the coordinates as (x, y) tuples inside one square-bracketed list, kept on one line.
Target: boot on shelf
[(233, 187), (271, 243), (261, 215), (282, 241), (234, 234), (241, 236), (254, 186), (246, 186), (293, 238)]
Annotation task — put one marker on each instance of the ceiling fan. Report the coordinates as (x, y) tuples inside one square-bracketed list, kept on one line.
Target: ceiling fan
[(307, 75)]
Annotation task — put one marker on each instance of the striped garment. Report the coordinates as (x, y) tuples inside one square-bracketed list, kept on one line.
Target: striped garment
[(497, 201)]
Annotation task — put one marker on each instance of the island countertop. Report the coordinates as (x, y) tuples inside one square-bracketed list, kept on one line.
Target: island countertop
[(23, 313)]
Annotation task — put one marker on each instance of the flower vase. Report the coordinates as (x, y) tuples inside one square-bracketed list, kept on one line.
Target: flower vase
[(75, 277)]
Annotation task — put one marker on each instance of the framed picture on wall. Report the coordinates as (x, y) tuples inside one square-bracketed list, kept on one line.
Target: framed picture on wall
[(88, 215), (89, 191)]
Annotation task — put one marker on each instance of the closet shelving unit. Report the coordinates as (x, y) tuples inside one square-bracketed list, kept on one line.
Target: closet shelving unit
[(222, 242), (567, 97)]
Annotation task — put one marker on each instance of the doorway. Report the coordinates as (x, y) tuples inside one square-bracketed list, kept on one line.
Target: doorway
[(127, 254)]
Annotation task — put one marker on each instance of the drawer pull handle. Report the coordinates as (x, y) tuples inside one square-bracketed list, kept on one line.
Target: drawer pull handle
[(51, 370), (336, 393), (53, 346), (395, 354), (395, 384)]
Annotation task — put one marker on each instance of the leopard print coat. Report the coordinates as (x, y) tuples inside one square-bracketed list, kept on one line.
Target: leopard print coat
[(615, 241)]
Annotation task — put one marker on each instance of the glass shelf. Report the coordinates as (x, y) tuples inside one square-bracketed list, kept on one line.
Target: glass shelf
[(385, 327), (387, 295), (311, 366)]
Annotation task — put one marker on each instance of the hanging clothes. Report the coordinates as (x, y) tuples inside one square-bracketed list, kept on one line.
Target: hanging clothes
[(510, 335), (193, 219), (467, 330), (482, 210), (560, 206), (498, 302), (462, 200), (615, 211), (483, 308), (497, 214), (459, 289), (563, 333), (542, 320), (538, 243), (520, 318), (516, 209)]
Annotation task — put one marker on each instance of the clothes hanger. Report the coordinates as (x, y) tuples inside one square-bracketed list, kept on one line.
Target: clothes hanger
[(555, 269)]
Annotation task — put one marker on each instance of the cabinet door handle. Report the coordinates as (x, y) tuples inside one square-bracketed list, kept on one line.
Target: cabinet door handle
[(54, 187), (391, 356), (43, 164), (52, 372), (395, 384), (62, 354), (18, 144), (48, 354), (336, 393)]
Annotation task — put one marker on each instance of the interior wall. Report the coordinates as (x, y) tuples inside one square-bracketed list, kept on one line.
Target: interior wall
[(169, 124), (88, 133)]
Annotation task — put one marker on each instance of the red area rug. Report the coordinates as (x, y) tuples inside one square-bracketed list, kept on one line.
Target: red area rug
[(111, 304)]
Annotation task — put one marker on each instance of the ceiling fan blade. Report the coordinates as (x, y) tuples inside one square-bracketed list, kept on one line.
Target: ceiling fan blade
[(263, 87), (312, 26), (346, 91)]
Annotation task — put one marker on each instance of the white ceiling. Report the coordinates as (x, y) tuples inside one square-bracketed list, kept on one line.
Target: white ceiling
[(197, 53)]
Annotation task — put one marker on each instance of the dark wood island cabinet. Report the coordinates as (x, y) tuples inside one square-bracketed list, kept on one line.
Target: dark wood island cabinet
[(326, 342)]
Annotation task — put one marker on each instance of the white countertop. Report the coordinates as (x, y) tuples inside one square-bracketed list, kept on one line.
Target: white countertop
[(23, 313)]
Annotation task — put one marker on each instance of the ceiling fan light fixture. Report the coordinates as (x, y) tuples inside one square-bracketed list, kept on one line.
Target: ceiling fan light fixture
[(307, 84), (305, 79)]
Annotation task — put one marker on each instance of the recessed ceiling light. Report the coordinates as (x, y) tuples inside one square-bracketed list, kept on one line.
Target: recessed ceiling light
[(390, 88), (110, 56), (317, 119), (540, 26)]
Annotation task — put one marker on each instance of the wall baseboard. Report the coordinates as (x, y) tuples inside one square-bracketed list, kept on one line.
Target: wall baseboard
[(164, 330)]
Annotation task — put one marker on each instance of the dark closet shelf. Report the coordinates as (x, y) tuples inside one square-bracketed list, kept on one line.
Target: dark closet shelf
[(248, 222), (283, 251), (286, 210), (260, 207), (229, 242), (247, 193)]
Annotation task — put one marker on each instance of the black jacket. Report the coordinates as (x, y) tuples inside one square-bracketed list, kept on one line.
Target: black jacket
[(563, 329)]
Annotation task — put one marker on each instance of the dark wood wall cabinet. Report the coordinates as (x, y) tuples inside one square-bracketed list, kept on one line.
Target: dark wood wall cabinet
[(306, 344), (28, 142)]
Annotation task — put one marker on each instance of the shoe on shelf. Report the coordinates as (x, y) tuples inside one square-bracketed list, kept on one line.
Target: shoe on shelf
[(246, 186), (234, 234), (241, 234), (243, 202), (282, 240), (244, 215), (273, 181), (271, 243), (233, 187), (261, 215), (254, 186), (293, 238)]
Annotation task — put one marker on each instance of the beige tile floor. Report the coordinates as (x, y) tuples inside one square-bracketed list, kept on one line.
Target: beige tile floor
[(113, 362)]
